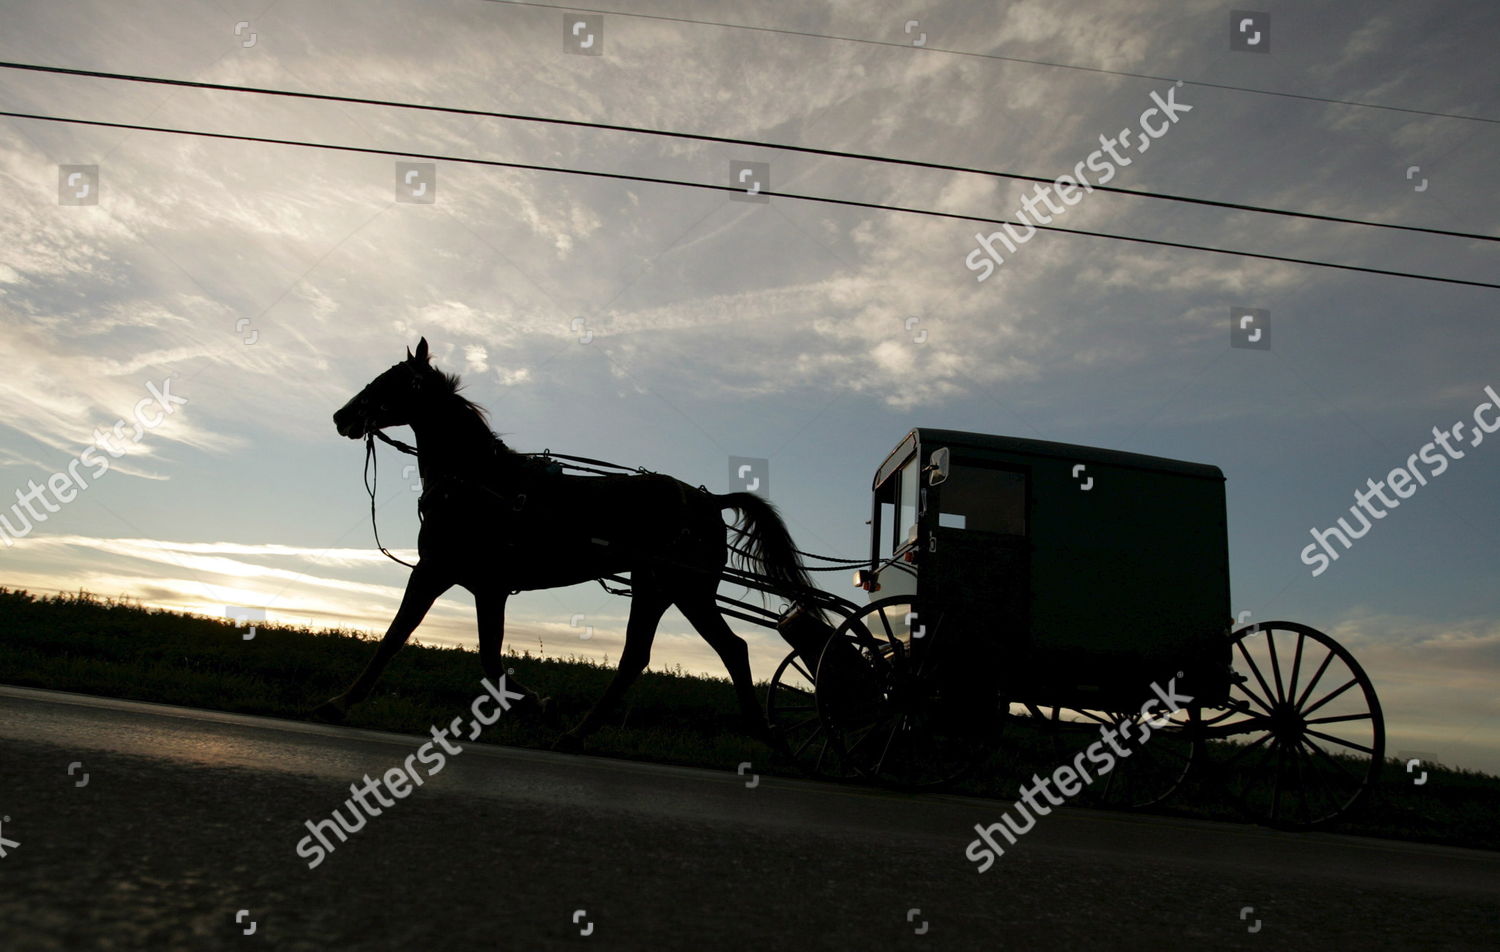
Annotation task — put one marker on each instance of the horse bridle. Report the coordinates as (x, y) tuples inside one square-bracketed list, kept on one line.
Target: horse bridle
[(372, 464), (371, 461)]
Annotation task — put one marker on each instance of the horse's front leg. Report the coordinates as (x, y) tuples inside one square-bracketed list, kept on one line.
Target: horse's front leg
[(422, 589)]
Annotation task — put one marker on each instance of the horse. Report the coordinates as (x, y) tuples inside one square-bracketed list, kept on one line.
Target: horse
[(496, 522)]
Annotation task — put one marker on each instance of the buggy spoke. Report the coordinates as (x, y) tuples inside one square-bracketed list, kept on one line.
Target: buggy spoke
[(1170, 752), (1347, 685), (1253, 721), (1256, 670), (1309, 782), (803, 746), (1252, 696), (867, 732), (818, 764), (851, 748), (802, 723), (1275, 665), (804, 696), (1276, 778), (1345, 743), (1341, 718), (872, 730), (793, 711), (1327, 660), (896, 725), (1331, 786), (1291, 690), (1330, 759), (1247, 748), (1311, 751), (1108, 784)]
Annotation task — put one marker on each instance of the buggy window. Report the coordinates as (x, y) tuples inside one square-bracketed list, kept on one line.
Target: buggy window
[(885, 530), (906, 523), (989, 500)]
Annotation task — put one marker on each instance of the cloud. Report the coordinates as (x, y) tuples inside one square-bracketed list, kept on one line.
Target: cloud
[(274, 282)]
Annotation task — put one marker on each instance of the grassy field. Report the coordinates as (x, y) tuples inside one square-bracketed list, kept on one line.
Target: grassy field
[(115, 648)]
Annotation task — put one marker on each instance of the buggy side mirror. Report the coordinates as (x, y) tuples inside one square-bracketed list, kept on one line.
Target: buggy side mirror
[(937, 467)]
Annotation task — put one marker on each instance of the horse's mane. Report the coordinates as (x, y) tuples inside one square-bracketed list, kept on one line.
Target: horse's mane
[(454, 384)]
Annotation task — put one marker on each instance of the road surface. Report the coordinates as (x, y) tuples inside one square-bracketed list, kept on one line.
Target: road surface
[(179, 829)]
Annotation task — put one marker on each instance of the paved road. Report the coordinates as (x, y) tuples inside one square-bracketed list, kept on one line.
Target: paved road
[(189, 816)]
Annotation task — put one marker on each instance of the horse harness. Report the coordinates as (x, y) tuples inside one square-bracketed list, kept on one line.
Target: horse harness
[(549, 467)]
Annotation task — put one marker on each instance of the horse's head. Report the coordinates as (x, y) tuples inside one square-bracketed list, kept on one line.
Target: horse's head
[(391, 399)]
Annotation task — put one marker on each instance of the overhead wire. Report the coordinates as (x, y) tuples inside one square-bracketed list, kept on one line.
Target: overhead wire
[(657, 180), (926, 48), (735, 141)]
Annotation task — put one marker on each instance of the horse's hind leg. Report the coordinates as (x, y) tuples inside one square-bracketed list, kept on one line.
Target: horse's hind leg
[(646, 607), (703, 613), (422, 589)]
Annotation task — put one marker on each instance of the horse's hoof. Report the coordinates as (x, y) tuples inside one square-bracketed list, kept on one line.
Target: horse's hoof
[(537, 708), (772, 738), (548, 711), (568, 743), (328, 712)]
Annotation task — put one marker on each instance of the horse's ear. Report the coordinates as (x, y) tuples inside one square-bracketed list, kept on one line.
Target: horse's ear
[(422, 350), (408, 353)]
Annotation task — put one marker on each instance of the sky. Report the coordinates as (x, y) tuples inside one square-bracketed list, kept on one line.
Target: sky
[(263, 285)]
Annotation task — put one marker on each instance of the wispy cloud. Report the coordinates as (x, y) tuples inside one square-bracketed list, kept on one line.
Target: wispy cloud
[(274, 282)]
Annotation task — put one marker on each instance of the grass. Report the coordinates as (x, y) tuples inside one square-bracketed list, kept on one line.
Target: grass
[(116, 648)]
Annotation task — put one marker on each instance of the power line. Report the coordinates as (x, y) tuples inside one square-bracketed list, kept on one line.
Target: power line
[(620, 176), (726, 140), (1005, 59)]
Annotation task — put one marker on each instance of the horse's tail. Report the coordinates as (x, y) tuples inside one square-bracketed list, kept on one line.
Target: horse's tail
[(763, 545)]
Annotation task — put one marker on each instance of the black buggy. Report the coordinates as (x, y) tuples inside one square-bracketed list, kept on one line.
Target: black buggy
[(1021, 587)]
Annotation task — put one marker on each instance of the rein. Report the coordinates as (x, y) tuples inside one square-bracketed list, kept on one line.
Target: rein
[(372, 466), (573, 463), (370, 485), (406, 448)]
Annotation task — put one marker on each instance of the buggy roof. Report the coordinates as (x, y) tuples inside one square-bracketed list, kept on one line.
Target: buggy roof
[(960, 440)]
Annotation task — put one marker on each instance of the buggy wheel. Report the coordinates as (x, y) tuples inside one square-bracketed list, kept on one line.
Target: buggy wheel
[(1150, 774), (889, 713), (1303, 736), (792, 709)]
